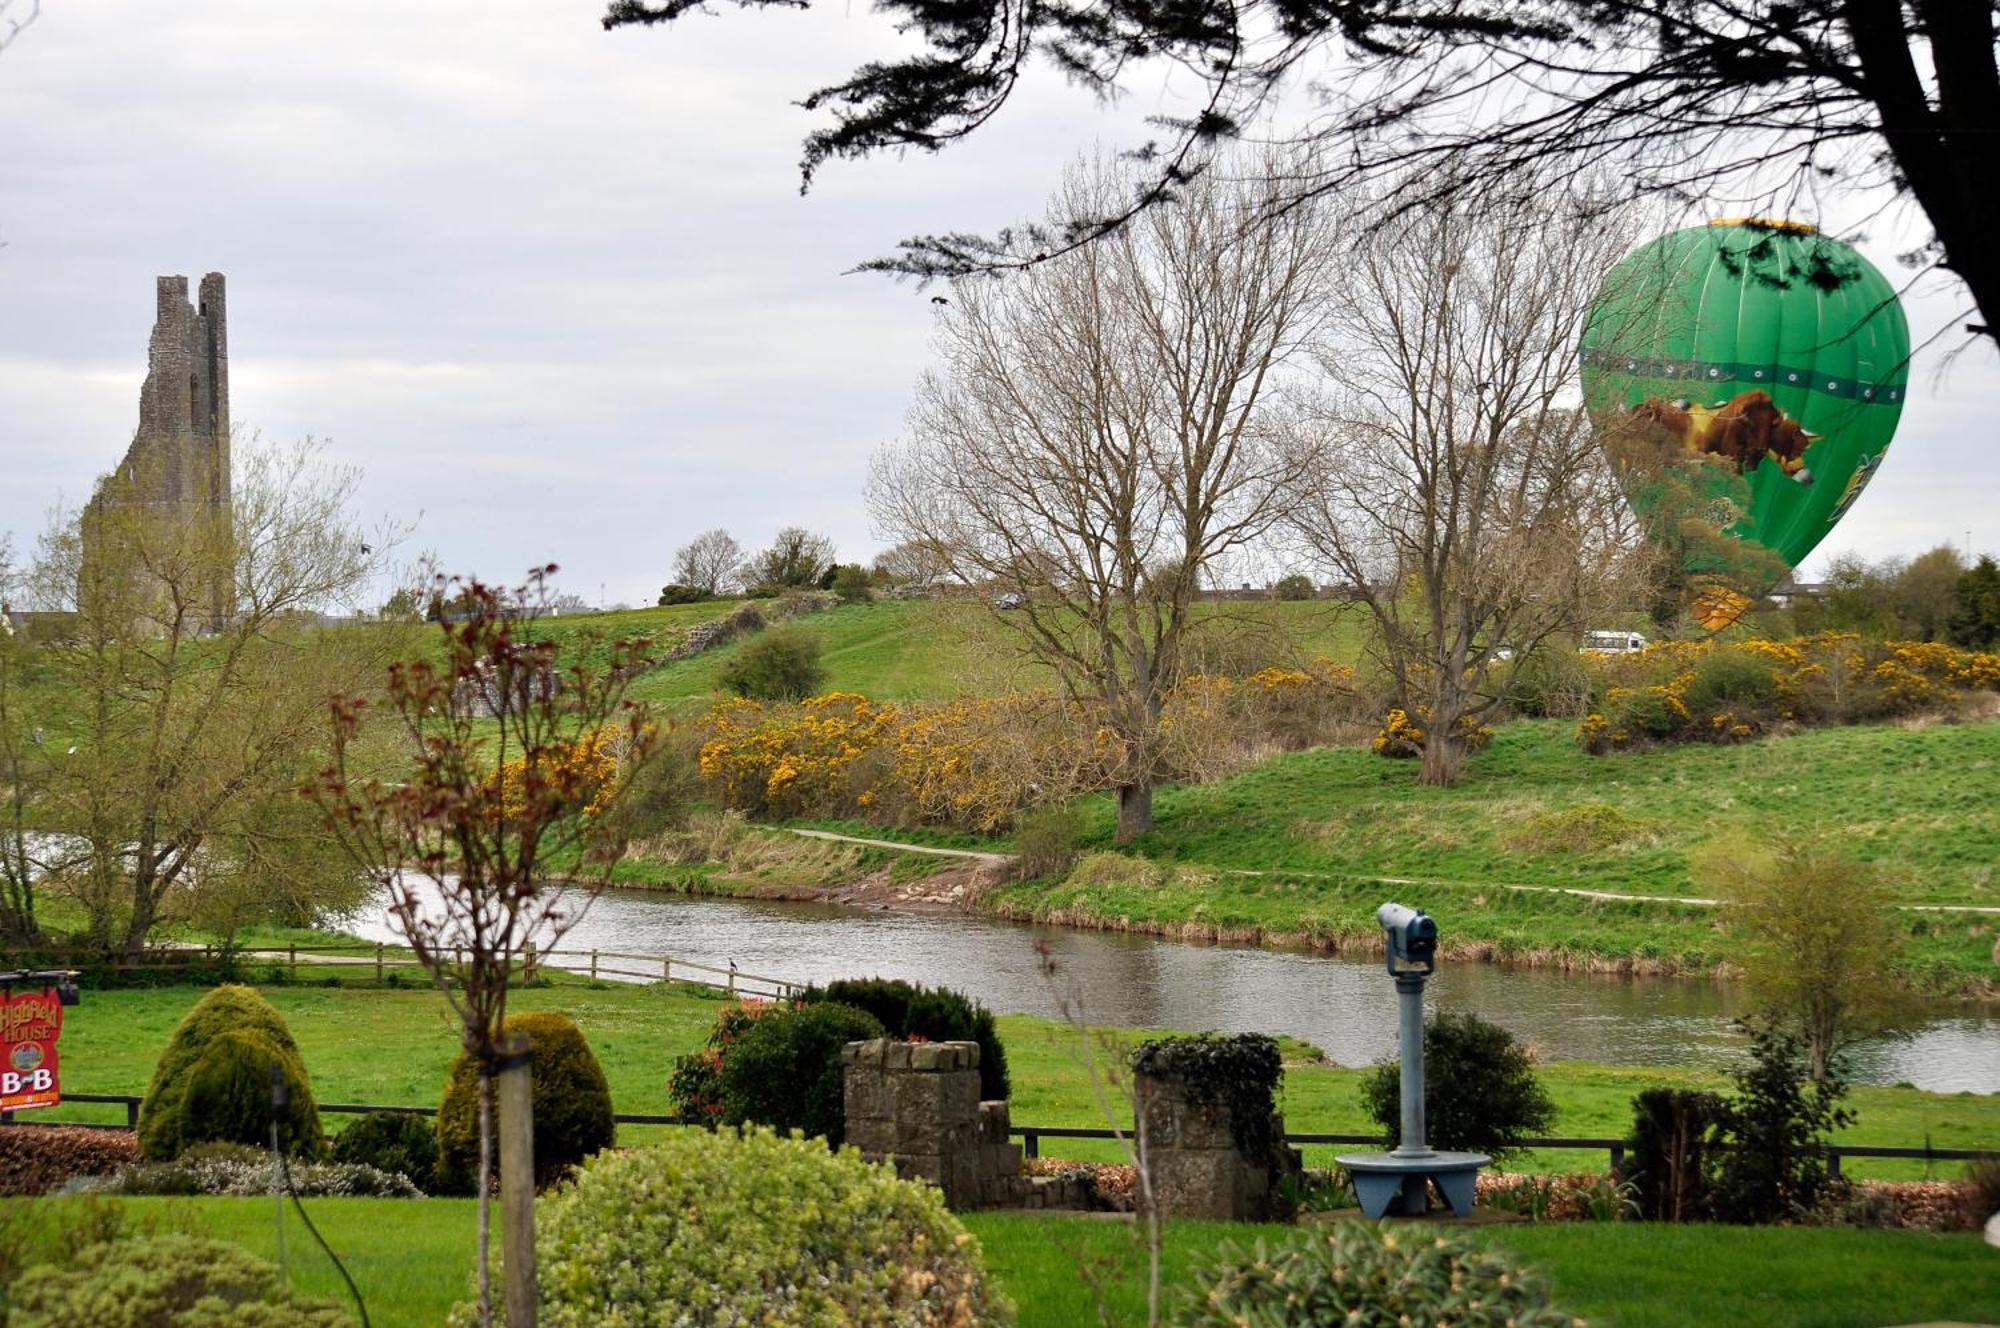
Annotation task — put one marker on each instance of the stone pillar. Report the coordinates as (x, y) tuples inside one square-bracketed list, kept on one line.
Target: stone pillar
[(916, 1105), (1197, 1168)]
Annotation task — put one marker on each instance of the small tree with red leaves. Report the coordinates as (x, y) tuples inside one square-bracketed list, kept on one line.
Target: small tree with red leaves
[(504, 787)]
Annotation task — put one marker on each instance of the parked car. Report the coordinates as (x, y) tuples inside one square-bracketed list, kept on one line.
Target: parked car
[(1013, 599), (1612, 643)]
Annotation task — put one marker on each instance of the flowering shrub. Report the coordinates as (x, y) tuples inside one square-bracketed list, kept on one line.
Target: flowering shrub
[(788, 760), (1402, 735), (1359, 1273), (1707, 691), (578, 775), (754, 1228), (252, 1174)]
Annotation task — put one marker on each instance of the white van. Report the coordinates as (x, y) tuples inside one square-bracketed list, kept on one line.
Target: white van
[(1611, 643)]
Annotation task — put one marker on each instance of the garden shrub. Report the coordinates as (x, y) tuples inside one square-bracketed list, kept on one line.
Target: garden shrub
[(1777, 1126), (784, 1070), (781, 664), (850, 582), (1358, 1273), (935, 1014), (1732, 679), (676, 593), (43, 1159), (1297, 586), (571, 1103), (1480, 1090), (1676, 1145), (213, 1080), (398, 1142), (752, 1227), (695, 1086), (164, 1282), (240, 1171)]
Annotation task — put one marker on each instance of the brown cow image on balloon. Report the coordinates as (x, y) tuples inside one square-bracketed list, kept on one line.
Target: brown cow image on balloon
[(1742, 431)]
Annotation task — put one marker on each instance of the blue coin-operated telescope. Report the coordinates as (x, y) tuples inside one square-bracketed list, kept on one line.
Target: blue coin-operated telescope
[(1399, 1181)]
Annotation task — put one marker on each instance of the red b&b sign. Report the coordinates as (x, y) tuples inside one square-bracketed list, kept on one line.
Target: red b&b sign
[(30, 1023)]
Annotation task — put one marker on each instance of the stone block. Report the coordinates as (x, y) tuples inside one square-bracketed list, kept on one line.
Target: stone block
[(897, 1056), (921, 1166), (927, 1056), (874, 1136), (1198, 1183), (867, 1053)]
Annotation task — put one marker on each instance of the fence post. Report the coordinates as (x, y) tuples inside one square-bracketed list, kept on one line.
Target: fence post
[(1833, 1163), (1618, 1159), (378, 963), (593, 965), (1031, 1143), (131, 1113), (666, 969), (528, 961), (292, 960), (513, 1088), (732, 977)]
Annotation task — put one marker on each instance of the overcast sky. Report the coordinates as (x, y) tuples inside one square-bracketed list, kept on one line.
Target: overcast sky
[(553, 289)]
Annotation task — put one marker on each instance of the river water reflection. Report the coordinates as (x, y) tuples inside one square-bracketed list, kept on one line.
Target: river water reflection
[(1346, 1007)]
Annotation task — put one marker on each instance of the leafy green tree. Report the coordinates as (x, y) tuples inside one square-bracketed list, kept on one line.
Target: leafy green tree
[(1817, 939), (1776, 1128), (796, 560), (1297, 586), (1975, 619)]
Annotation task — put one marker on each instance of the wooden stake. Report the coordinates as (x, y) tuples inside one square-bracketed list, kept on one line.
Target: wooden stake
[(517, 1180)]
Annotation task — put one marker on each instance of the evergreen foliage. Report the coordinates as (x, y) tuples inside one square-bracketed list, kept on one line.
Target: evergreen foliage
[(230, 1088), (1480, 1090), (936, 1014), (1774, 1169), (1677, 1140), (392, 1141), (784, 1069), (571, 1102), (1236, 1073)]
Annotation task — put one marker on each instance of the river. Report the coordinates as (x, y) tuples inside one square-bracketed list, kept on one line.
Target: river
[(1346, 1007)]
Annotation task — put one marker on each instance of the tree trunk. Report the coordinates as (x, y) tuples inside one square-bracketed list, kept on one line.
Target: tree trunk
[(517, 1183), (1135, 811), (485, 1197), (1444, 756)]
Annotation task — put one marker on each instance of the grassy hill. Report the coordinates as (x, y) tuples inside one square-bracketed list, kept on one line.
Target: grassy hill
[(907, 650)]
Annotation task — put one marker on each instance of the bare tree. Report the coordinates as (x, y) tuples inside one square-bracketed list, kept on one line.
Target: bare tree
[(14, 16), (708, 562), (1453, 486), (911, 563), (516, 763), (1096, 434), (798, 559)]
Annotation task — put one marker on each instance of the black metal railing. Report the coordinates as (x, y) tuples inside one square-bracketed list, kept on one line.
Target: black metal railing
[(1031, 1136)]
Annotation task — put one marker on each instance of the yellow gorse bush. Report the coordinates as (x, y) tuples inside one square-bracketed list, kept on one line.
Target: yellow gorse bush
[(580, 775), (1681, 691)]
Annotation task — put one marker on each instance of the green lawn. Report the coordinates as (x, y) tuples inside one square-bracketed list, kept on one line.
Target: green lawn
[(412, 1260), (379, 1045)]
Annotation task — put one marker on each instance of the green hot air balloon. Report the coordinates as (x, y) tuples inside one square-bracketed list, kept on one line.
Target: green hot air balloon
[(1767, 361)]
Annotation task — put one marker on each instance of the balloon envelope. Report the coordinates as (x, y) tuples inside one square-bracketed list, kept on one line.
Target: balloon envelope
[(1759, 350)]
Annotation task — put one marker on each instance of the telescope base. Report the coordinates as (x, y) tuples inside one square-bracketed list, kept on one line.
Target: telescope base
[(1386, 1183)]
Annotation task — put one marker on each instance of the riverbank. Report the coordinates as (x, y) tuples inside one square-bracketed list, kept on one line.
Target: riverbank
[(1543, 856)]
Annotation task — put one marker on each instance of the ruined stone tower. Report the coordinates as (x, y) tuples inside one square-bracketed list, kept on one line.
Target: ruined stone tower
[(177, 468)]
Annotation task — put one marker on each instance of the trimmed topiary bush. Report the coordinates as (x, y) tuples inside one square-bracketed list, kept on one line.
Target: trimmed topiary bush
[(1480, 1090), (572, 1105), (1356, 1273), (164, 1282), (213, 1081), (784, 1070), (935, 1014), (754, 1228), (397, 1142)]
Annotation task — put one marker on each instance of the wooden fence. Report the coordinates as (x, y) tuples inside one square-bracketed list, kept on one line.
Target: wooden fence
[(383, 959), (1031, 1136)]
